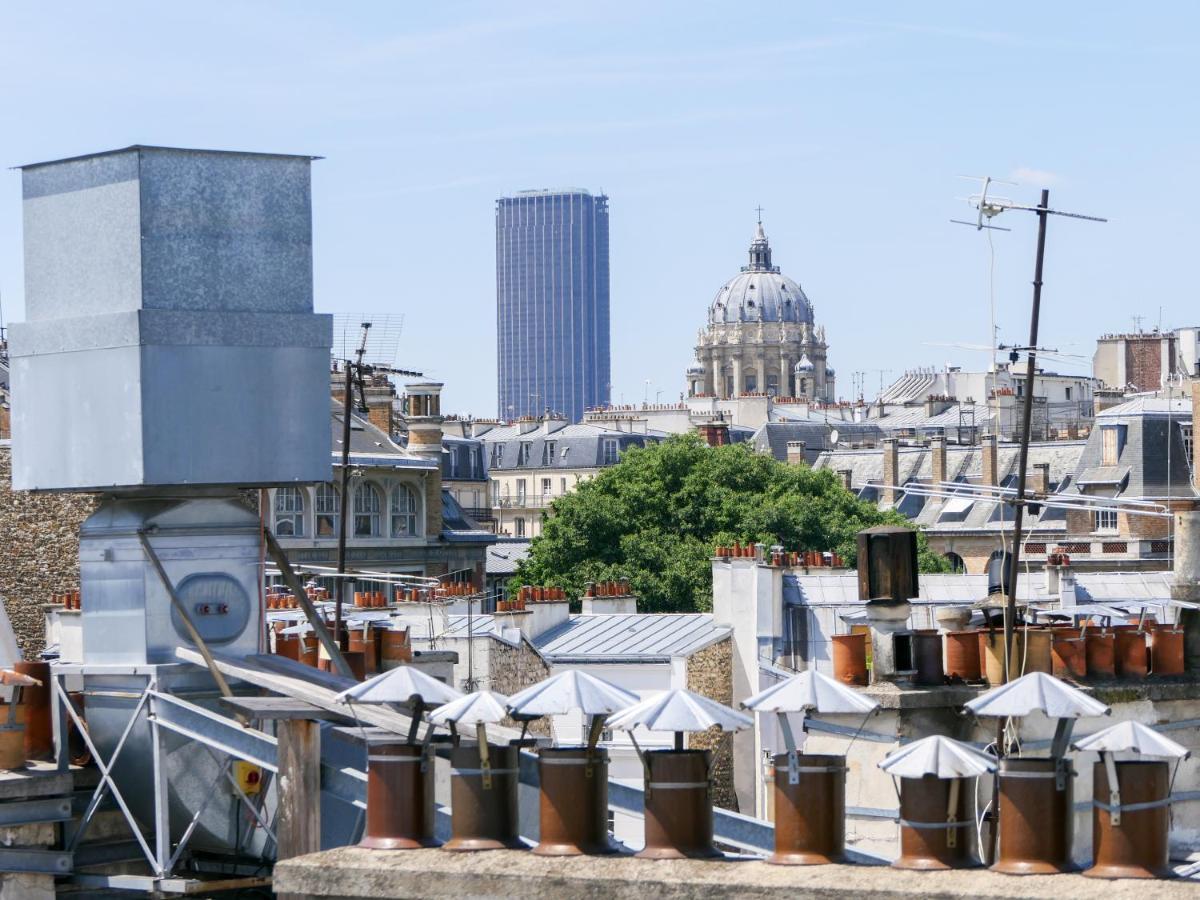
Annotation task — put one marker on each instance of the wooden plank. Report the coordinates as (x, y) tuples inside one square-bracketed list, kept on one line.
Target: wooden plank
[(280, 708), (298, 821), (314, 618), (251, 669)]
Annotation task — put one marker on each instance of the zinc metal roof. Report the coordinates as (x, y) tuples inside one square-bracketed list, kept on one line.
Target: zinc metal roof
[(1113, 588), (636, 637)]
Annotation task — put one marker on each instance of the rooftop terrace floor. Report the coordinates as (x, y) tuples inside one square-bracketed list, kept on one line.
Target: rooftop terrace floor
[(352, 872)]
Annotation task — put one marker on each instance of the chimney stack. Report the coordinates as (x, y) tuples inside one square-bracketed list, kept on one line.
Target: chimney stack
[(795, 453), (891, 470), (378, 395), (1186, 584), (937, 458), (715, 434), (847, 476), (988, 450), (1040, 480), (424, 418), (887, 580)]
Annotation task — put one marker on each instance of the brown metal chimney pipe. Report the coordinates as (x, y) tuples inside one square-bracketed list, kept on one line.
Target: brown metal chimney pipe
[(483, 799), (574, 802), (810, 809), (399, 797), (679, 815)]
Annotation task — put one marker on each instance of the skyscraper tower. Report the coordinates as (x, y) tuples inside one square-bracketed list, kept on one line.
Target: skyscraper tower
[(552, 302)]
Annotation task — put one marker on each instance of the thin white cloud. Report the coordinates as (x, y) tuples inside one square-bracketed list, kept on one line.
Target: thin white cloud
[(1035, 177)]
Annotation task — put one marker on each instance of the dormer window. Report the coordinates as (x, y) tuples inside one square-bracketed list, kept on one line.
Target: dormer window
[(523, 453), (1112, 440)]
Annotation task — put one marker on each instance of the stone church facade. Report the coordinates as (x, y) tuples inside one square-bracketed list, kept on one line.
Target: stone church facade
[(761, 337)]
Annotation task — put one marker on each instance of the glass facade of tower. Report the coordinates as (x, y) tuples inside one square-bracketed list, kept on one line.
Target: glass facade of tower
[(552, 303)]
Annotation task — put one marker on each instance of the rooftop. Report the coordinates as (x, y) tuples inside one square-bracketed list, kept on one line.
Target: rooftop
[(641, 637), (1112, 588)]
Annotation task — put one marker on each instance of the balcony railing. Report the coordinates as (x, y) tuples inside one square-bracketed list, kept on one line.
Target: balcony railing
[(526, 501)]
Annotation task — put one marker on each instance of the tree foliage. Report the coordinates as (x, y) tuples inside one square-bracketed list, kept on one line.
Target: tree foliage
[(657, 515)]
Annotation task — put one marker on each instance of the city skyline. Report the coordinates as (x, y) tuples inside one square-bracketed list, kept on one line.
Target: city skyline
[(849, 131)]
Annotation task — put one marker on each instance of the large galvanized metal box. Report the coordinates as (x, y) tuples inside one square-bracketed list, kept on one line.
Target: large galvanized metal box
[(210, 548), (170, 337)]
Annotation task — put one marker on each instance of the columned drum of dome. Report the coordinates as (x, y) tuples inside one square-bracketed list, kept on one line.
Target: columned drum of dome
[(552, 320), (761, 337)]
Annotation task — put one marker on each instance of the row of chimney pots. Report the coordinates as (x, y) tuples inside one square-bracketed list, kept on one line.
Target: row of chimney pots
[(1089, 652)]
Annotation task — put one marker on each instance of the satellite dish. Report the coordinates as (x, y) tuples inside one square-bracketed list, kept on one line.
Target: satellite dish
[(833, 437)]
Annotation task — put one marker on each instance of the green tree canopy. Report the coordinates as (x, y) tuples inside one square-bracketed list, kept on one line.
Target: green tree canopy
[(657, 515)]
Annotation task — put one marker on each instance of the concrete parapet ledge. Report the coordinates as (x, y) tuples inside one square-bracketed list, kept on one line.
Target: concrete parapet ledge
[(1169, 687), (352, 872)]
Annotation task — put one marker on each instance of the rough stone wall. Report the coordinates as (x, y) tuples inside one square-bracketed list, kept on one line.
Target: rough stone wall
[(515, 668), (39, 552), (433, 503), (710, 672)]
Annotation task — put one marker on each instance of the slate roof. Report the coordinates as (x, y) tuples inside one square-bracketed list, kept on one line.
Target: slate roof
[(575, 446), (963, 463), (772, 437), (1152, 461), (456, 459), (369, 446), (458, 527), (504, 556), (641, 637)]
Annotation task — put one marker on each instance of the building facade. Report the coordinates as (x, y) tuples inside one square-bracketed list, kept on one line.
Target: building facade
[(552, 303), (533, 462), (401, 516), (761, 337)]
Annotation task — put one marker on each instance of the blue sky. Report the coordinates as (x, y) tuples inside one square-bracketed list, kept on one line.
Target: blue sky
[(847, 122)]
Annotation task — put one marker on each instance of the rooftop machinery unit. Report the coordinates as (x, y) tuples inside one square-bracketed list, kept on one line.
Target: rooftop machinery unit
[(170, 356)]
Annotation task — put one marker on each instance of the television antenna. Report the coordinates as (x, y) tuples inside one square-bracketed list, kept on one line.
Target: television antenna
[(381, 346), (379, 343), (990, 207)]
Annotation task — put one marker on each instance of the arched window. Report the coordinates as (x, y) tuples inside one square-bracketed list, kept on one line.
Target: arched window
[(956, 563), (404, 511), (519, 527), (327, 507), (367, 510), (289, 512)]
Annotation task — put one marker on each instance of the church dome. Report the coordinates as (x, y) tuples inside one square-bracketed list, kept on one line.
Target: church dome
[(760, 293)]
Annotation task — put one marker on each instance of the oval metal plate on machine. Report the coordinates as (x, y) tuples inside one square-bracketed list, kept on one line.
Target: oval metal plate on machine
[(217, 605)]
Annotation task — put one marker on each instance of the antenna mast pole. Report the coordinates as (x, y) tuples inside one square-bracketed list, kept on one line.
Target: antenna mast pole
[(346, 506), (1010, 612)]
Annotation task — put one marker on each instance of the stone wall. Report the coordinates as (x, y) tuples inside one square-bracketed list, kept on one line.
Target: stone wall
[(710, 672), (39, 552), (514, 668)]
